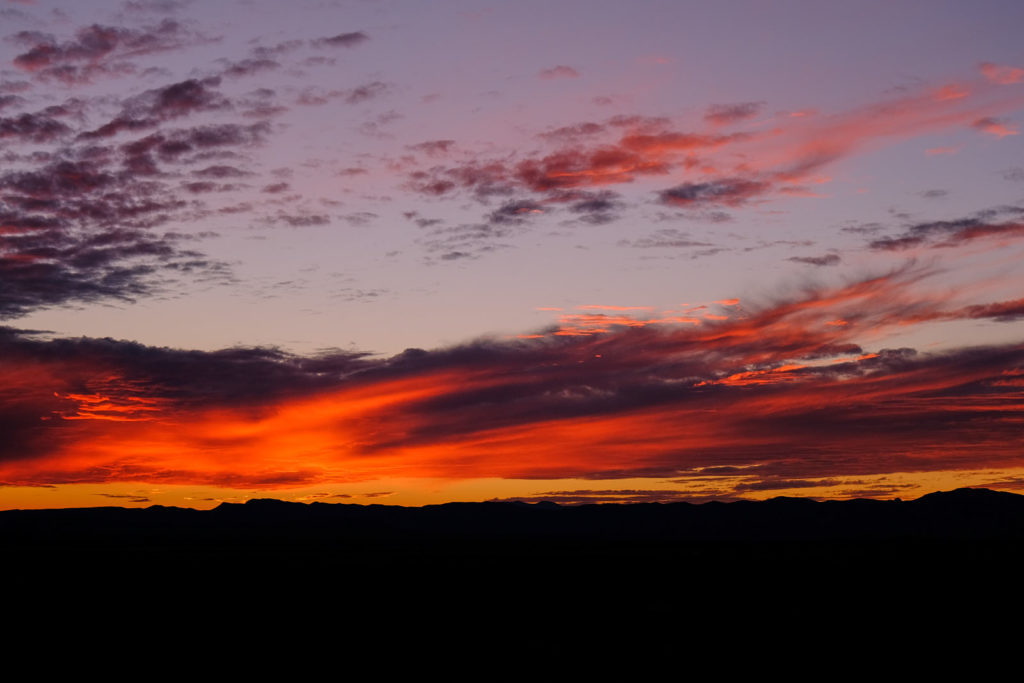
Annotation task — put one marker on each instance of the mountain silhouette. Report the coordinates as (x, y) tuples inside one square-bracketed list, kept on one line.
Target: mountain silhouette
[(552, 579)]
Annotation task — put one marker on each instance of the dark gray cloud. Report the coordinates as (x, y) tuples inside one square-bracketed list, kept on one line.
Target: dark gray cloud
[(221, 171), (575, 132), (38, 127), (156, 106), (666, 238), (515, 212), (249, 67), (367, 91), (433, 147), (342, 40), (11, 101), (597, 208), (98, 50), (302, 220), (726, 192), (560, 71), (131, 498), (1003, 222), (824, 260), (731, 113), (84, 225)]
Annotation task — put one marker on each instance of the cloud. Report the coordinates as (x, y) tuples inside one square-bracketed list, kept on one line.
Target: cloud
[(367, 91), (666, 238), (156, 6), (642, 147), (49, 388), (731, 170), (984, 225), (573, 168), (305, 220), (84, 226), (471, 240), (560, 71), (342, 40), (36, 128), (163, 104), (1005, 311), (79, 231), (996, 127), (727, 192), (131, 498), (11, 101), (1003, 75), (98, 50), (221, 171), (778, 391), (515, 212), (724, 114), (825, 260), (433, 147), (572, 133), (249, 67), (596, 208)]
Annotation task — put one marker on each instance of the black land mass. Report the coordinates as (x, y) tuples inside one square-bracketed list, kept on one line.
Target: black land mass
[(543, 575)]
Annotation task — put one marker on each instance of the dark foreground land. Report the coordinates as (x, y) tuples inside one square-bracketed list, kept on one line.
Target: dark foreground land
[(664, 578)]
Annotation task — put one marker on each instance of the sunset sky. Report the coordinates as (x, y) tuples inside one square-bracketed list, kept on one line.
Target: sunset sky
[(584, 251)]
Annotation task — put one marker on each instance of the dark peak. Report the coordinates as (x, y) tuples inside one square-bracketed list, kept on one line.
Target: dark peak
[(970, 495), (790, 500), (268, 502)]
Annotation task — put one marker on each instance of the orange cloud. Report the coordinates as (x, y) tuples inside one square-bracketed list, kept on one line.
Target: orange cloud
[(600, 307)]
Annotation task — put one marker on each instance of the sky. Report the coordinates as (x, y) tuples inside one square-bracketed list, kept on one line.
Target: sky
[(410, 253)]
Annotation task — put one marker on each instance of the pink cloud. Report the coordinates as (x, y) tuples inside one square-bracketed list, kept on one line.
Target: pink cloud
[(1003, 75)]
